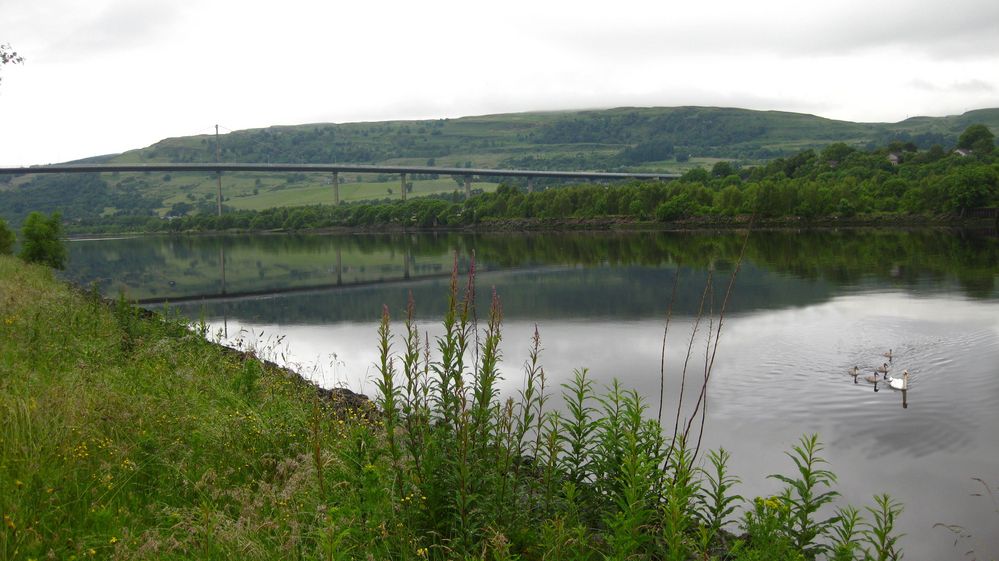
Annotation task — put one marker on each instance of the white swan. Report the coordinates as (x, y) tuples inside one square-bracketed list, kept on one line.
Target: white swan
[(900, 383)]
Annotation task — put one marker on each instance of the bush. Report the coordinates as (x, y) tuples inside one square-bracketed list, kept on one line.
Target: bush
[(6, 239), (675, 208), (42, 240)]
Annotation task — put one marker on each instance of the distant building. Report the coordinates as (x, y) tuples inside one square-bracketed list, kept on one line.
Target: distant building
[(894, 158), (962, 152)]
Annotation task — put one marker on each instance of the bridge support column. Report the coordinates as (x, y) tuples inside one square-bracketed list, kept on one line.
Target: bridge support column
[(468, 187), (336, 187), (218, 198), (403, 185), (530, 184)]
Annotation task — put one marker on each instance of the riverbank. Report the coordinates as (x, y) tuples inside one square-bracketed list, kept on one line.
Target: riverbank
[(128, 436), (601, 224)]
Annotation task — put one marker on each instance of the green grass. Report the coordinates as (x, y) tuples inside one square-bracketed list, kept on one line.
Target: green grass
[(131, 437), (322, 193), (250, 191)]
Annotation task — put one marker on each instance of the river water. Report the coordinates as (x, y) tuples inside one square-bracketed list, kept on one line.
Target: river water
[(805, 308)]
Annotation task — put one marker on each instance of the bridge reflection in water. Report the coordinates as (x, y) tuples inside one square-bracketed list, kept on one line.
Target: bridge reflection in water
[(223, 294)]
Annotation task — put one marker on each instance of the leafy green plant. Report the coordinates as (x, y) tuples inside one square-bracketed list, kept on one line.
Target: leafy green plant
[(679, 514), (631, 512), (766, 526), (716, 501), (879, 532), (578, 427), (845, 546), (805, 495), (41, 240)]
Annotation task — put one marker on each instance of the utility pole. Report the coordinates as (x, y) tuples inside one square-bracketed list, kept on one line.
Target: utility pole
[(218, 172)]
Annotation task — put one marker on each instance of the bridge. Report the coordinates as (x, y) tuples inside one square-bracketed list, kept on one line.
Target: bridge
[(336, 170)]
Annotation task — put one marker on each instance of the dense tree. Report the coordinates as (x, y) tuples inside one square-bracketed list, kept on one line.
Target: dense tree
[(649, 151), (970, 188), (41, 240), (722, 169), (977, 138), (6, 239), (836, 152)]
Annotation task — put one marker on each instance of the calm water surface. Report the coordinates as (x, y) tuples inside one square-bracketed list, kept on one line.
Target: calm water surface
[(805, 308)]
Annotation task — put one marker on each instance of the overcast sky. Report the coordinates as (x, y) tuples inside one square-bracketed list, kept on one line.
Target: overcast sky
[(105, 76)]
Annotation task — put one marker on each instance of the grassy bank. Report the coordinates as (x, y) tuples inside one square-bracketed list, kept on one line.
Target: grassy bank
[(133, 438), (129, 437)]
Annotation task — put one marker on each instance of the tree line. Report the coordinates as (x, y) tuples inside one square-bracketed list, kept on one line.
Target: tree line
[(837, 182), (41, 240)]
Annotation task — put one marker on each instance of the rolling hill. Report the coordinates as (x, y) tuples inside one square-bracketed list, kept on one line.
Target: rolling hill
[(635, 139)]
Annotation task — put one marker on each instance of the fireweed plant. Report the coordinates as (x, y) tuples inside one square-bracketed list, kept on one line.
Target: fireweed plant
[(455, 470)]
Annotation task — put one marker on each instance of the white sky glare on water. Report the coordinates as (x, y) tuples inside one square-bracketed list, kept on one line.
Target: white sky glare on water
[(110, 75)]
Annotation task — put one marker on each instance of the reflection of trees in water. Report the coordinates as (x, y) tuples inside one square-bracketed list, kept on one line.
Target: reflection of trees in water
[(534, 294), (899, 259)]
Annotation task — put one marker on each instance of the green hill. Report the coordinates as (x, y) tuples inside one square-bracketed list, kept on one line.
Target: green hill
[(604, 139), (635, 139)]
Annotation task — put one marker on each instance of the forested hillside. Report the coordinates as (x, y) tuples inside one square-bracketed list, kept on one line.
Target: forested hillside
[(636, 139), (835, 184)]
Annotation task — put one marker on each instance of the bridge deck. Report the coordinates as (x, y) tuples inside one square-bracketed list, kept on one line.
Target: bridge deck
[(331, 168)]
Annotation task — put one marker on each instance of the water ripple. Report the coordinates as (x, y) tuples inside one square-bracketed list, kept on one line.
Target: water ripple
[(804, 359)]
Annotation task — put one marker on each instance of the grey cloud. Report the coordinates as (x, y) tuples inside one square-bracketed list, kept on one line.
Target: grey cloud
[(487, 103), (921, 84), (968, 86), (973, 86), (123, 25), (963, 29), (968, 29)]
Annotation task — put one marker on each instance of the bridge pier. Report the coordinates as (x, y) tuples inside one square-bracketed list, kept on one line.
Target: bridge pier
[(468, 187), (403, 185), (218, 198), (336, 188), (530, 184)]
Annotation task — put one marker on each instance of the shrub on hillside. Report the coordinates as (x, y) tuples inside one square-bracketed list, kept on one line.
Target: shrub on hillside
[(41, 239), (6, 239)]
